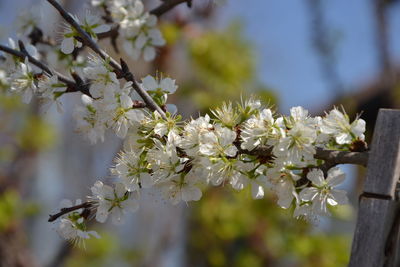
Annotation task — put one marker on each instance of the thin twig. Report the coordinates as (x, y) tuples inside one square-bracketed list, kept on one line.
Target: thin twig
[(63, 211), (121, 72)]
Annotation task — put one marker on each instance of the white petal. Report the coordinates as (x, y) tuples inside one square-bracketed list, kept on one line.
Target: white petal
[(117, 217), (101, 214), (141, 41), (168, 85), (338, 197), (358, 127), (231, 151), (335, 177), (343, 138), (131, 204), (149, 83), (130, 50), (67, 46), (257, 191), (309, 193), (102, 28), (149, 53), (316, 176), (191, 193), (126, 101), (135, 115)]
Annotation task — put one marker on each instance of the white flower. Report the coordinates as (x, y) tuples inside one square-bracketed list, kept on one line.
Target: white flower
[(218, 142), (282, 182), (182, 188), (23, 81), (88, 120), (28, 20), (69, 42), (192, 133), (297, 147), (261, 129), (72, 226), (132, 171), (103, 81), (249, 175), (338, 125), (74, 230), (227, 115), (220, 172), (164, 160), (91, 24), (300, 115), (138, 28), (51, 89), (122, 113), (164, 127), (114, 202), (164, 86), (124, 11), (322, 191), (251, 104)]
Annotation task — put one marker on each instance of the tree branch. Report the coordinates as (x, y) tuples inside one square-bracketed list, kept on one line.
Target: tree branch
[(343, 157), (63, 211), (168, 5), (331, 157), (120, 71)]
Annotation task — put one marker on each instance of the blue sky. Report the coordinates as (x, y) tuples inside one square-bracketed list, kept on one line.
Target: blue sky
[(287, 60)]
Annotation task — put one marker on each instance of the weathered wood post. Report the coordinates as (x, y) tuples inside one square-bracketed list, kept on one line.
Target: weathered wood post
[(377, 222)]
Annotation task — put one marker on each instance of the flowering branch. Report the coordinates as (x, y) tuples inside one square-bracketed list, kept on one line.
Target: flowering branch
[(122, 72), (23, 53)]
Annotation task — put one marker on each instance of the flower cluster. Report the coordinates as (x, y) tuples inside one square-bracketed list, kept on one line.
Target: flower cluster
[(181, 158), (111, 105), (91, 24), (137, 27)]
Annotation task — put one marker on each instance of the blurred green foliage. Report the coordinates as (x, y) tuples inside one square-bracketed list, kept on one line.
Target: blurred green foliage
[(12, 209), (223, 65), (9, 207), (232, 229), (23, 132), (103, 252)]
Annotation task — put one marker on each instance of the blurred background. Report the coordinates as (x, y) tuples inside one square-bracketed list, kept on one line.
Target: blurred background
[(314, 53)]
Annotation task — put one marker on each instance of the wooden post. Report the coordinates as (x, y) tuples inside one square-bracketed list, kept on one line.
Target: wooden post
[(378, 221)]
